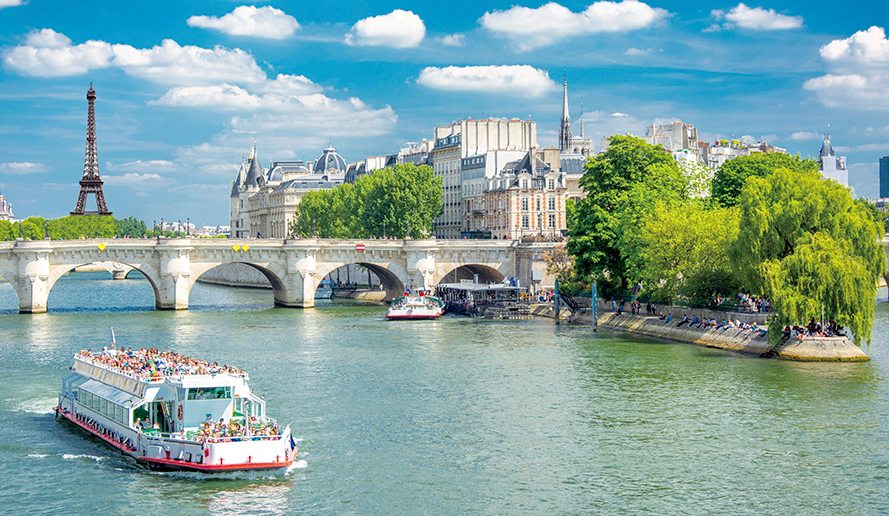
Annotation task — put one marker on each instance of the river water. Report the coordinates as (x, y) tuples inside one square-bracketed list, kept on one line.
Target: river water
[(455, 416)]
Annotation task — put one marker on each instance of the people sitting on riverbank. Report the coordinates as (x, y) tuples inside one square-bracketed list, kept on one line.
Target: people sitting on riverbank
[(683, 321), (150, 363)]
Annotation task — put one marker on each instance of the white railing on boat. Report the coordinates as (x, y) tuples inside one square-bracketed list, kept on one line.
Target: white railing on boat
[(147, 378)]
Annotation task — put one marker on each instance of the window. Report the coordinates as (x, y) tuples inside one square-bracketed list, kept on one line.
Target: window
[(551, 184), (524, 204), (524, 184), (538, 204), (552, 221), (525, 221), (551, 203)]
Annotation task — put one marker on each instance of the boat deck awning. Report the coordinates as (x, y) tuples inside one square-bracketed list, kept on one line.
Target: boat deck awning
[(116, 396)]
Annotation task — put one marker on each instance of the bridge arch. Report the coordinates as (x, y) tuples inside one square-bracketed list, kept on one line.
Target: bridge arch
[(273, 272), (59, 270), (392, 276), (487, 273)]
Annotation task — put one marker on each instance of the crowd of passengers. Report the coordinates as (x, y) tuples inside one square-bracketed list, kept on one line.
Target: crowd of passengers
[(222, 430), (152, 363)]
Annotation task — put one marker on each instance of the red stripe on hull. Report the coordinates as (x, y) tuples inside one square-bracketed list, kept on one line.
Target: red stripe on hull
[(173, 464)]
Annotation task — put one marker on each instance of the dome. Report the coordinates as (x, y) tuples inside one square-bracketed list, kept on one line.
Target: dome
[(329, 159)]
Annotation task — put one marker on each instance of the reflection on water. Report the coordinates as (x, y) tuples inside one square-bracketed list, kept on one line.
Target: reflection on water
[(254, 499)]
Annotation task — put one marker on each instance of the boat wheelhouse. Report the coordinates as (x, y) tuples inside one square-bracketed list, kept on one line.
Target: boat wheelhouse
[(172, 412)]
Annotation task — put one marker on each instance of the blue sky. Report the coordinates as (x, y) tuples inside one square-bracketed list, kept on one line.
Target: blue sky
[(183, 87)]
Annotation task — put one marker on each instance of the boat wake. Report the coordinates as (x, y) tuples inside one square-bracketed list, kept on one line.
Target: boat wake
[(69, 456), (37, 406)]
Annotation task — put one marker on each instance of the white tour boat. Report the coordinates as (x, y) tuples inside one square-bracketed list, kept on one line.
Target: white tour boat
[(171, 412), (419, 306)]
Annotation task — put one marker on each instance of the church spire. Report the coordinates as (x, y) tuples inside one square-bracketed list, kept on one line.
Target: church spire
[(565, 128), (581, 119)]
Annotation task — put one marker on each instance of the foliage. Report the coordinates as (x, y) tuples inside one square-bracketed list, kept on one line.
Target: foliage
[(733, 174), (131, 227), (73, 227), (622, 185), (387, 200), (559, 263), (793, 225), (685, 251), (570, 213)]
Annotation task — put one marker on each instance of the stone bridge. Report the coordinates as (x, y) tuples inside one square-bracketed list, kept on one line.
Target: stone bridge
[(294, 267)]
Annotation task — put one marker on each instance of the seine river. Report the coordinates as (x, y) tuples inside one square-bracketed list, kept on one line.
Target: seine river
[(450, 417)]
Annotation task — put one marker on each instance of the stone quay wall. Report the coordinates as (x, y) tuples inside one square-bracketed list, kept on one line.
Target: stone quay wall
[(752, 342)]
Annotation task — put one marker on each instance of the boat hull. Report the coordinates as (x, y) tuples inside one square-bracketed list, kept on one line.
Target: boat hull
[(170, 464)]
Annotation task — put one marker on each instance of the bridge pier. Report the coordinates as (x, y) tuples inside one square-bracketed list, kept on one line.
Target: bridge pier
[(32, 281), (174, 285), (296, 290)]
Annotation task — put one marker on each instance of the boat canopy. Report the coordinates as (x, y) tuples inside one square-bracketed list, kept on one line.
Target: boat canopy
[(116, 396)]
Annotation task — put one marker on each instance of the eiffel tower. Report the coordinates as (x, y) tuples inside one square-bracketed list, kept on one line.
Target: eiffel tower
[(91, 182)]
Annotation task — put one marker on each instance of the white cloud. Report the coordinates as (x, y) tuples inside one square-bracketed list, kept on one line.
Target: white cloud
[(618, 115), (858, 71), (804, 135), (139, 165), (23, 168), (453, 40), (398, 29), (247, 20), (756, 18), (520, 80), (47, 38), (47, 53), (633, 51), (532, 28), (863, 148), (50, 54), (134, 179), (172, 64), (11, 3), (217, 96)]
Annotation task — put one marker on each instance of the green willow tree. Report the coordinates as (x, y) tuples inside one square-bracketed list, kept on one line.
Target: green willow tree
[(804, 243), (733, 174), (622, 185), (685, 252)]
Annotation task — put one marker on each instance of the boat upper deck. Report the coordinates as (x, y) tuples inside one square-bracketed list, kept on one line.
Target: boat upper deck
[(151, 365)]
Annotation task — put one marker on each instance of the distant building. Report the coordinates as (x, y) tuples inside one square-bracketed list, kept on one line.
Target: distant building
[(832, 166), (5, 209), (715, 154), (884, 177), (526, 197), (263, 202), (471, 138)]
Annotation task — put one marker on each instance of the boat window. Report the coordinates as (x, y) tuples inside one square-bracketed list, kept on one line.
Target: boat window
[(211, 393)]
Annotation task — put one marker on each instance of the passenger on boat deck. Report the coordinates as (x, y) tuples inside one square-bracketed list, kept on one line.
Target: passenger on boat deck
[(148, 363)]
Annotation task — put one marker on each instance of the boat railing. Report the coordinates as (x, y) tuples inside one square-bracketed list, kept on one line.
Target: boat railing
[(196, 439), (148, 378)]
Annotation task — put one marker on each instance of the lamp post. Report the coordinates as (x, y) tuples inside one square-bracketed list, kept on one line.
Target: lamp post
[(314, 234), (384, 230), (187, 227), (162, 227), (153, 228), (179, 228)]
